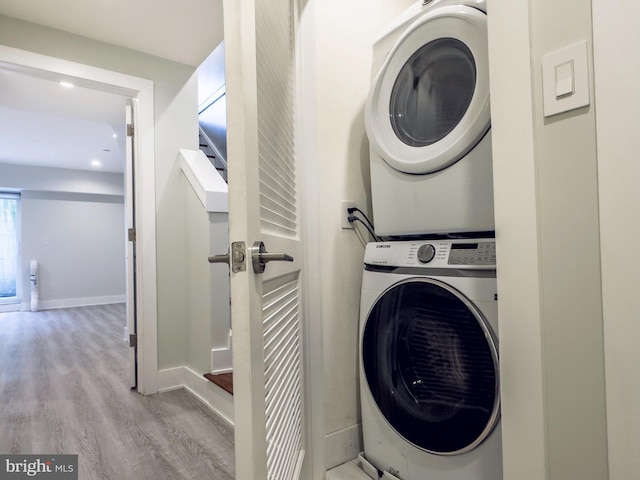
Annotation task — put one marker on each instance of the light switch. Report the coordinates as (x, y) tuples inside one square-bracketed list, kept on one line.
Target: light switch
[(565, 79)]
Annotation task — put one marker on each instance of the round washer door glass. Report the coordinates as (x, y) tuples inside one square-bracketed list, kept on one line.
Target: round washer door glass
[(432, 92), (431, 364)]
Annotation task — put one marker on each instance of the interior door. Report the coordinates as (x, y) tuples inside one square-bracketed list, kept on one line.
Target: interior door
[(261, 69), (130, 329)]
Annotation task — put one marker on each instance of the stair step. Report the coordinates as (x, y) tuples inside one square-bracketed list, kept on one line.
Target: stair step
[(223, 380)]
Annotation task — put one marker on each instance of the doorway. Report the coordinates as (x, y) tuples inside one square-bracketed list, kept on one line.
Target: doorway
[(142, 91)]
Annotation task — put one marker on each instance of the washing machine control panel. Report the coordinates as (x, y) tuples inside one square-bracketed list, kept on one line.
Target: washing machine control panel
[(475, 253), (459, 253)]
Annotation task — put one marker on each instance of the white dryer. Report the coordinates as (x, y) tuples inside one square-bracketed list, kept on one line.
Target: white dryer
[(429, 368), (428, 122)]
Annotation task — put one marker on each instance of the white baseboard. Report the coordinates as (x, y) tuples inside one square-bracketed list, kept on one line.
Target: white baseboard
[(76, 302), (171, 379), (214, 397), (10, 307), (221, 360), (343, 445)]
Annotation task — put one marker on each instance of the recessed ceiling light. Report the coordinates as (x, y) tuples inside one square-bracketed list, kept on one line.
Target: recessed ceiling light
[(115, 135), (95, 163), (66, 84)]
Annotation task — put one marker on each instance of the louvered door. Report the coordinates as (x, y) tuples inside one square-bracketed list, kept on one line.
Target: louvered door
[(264, 207)]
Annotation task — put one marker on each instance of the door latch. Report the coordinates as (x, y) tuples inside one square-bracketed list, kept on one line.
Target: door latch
[(237, 258)]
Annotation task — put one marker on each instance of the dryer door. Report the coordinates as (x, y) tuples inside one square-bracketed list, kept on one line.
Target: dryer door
[(431, 364), (429, 103)]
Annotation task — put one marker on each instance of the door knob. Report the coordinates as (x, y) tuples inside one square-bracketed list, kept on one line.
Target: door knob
[(260, 257), (219, 258)]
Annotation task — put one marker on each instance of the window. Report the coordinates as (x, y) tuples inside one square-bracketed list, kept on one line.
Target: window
[(9, 247)]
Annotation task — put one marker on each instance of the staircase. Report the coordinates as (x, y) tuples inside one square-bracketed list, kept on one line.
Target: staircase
[(209, 149)]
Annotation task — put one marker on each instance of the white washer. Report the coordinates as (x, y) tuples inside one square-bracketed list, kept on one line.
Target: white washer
[(428, 122), (429, 368)]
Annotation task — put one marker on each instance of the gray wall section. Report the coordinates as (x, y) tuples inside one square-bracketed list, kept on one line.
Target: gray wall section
[(176, 126), (72, 223), (79, 243)]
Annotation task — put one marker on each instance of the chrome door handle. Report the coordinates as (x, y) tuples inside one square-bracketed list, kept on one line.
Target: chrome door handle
[(220, 258), (260, 257)]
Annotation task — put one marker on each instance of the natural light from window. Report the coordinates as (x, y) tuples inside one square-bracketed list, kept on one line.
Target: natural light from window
[(9, 246)]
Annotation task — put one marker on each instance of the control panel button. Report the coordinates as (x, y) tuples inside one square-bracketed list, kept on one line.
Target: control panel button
[(426, 253)]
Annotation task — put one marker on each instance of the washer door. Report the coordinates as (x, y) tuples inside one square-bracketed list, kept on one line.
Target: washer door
[(431, 363), (429, 104)]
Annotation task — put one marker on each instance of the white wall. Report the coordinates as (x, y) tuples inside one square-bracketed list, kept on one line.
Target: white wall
[(79, 243), (72, 223), (207, 319), (547, 226), (198, 317), (175, 110), (346, 32), (616, 27), (61, 180)]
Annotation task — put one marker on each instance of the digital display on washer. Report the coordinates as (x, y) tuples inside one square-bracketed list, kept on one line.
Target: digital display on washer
[(464, 246), (481, 253)]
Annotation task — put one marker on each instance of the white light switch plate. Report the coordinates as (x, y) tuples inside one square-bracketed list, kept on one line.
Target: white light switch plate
[(577, 56)]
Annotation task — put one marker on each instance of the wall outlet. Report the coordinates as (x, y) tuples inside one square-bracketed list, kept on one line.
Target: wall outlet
[(344, 214)]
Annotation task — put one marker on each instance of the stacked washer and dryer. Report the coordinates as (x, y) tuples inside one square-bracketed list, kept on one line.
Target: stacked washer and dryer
[(429, 367)]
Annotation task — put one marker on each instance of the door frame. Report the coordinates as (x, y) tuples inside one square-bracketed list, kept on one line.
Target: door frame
[(142, 90), (313, 331)]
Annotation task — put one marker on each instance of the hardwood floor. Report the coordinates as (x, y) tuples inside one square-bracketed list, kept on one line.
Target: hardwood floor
[(63, 390), (223, 380)]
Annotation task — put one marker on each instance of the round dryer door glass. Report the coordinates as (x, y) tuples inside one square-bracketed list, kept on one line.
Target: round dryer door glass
[(431, 364), (428, 105), (432, 92)]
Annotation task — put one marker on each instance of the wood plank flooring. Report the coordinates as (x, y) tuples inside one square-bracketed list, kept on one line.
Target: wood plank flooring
[(63, 390)]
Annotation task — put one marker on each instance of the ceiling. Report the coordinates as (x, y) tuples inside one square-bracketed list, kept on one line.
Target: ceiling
[(184, 31), (45, 124)]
